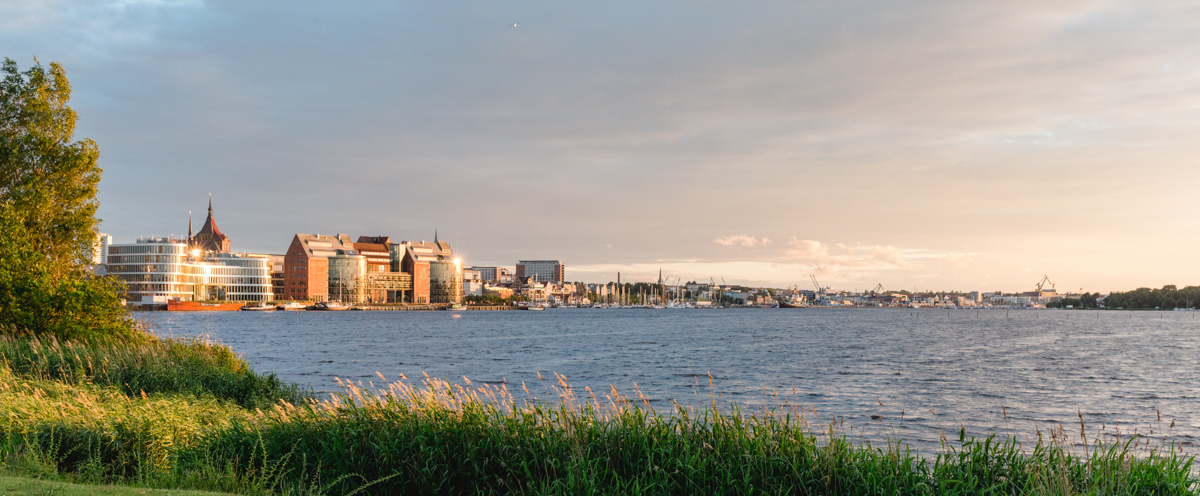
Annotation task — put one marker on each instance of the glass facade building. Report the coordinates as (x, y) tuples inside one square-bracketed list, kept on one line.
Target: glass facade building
[(445, 282), (157, 269)]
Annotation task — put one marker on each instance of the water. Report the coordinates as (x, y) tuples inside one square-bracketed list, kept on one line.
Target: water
[(941, 368)]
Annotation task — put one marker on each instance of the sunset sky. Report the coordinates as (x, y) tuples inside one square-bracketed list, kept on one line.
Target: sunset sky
[(919, 145)]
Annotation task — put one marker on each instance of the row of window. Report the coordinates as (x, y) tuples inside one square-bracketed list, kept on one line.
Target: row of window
[(156, 248), (131, 259)]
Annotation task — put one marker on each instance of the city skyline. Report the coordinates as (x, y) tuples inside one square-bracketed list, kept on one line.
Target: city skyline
[(920, 146)]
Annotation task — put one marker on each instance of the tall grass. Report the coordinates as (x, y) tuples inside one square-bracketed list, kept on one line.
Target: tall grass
[(434, 437), (188, 366)]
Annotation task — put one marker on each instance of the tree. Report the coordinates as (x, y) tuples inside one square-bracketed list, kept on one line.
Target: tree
[(48, 204), (48, 180)]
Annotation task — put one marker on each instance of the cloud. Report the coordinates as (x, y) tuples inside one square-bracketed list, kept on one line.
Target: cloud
[(741, 240), (901, 125), (888, 254), (959, 259), (807, 249)]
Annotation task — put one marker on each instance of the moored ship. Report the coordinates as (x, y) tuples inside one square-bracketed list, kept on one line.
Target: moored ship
[(177, 305)]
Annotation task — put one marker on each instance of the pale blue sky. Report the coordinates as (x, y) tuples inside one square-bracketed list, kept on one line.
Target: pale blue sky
[(945, 145)]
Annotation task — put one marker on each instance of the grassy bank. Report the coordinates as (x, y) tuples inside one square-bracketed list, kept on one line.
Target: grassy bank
[(28, 486), (60, 417)]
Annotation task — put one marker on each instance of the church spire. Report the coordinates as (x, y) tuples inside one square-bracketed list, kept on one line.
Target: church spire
[(189, 238), (435, 236)]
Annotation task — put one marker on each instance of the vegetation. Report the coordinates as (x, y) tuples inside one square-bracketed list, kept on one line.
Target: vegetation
[(47, 216), (436, 437), (149, 366), (1169, 297), (485, 300), (29, 486), (1086, 301)]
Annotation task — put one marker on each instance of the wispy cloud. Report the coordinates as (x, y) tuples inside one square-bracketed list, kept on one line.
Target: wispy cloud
[(742, 240)]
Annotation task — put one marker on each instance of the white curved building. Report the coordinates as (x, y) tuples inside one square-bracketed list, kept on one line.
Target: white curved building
[(157, 269)]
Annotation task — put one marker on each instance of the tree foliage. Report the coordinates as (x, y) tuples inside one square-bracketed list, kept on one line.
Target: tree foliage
[(48, 226), (1169, 297), (47, 180)]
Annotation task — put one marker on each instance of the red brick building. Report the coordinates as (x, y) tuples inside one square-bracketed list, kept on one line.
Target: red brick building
[(306, 265), (413, 257)]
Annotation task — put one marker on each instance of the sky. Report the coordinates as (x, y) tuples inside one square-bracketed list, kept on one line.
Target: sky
[(921, 145)]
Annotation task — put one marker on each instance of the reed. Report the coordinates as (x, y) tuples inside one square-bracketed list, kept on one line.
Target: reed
[(151, 366), (430, 436)]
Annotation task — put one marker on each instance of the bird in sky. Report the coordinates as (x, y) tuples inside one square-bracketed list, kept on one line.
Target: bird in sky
[(515, 24)]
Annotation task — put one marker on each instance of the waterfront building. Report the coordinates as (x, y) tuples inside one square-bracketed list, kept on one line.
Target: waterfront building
[(493, 274), (541, 270), (347, 277), (209, 239), (306, 265), (377, 251), (446, 281), (415, 257), (100, 249), (501, 291), (383, 283), (157, 269), (278, 276)]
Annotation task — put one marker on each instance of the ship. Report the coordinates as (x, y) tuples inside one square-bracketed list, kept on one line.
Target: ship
[(177, 305)]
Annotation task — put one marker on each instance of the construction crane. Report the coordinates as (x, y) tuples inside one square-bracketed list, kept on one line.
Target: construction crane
[(1045, 279), (878, 289)]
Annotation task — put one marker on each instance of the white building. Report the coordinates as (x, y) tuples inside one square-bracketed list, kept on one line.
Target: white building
[(157, 269), (100, 249)]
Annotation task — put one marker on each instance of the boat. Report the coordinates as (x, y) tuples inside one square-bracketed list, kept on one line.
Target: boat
[(292, 306), (258, 308), (330, 306), (177, 305)]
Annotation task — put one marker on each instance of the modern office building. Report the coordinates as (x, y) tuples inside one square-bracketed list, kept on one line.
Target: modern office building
[(415, 258), (100, 249), (494, 275), (541, 270), (446, 281), (347, 277), (306, 265), (383, 284), (157, 269)]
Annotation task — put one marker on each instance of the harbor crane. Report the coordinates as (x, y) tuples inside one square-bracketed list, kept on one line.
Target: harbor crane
[(1043, 282), (877, 290), (815, 283)]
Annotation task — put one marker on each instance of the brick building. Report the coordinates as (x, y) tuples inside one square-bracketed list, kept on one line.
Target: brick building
[(306, 265)]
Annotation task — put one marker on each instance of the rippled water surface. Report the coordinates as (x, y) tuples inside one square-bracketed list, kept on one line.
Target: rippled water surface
[(941, 368)]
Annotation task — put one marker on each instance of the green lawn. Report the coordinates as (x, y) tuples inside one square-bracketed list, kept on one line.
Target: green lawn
[(15, 485)]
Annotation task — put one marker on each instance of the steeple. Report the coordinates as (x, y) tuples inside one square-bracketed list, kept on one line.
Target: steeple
[(435, 236), (189, 238), (210, 237)]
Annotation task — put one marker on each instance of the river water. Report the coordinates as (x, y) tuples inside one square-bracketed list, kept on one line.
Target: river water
[(922, 372)]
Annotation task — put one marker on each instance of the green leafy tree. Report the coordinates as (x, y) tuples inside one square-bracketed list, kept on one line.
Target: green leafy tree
[(48, 180), (48, 226)]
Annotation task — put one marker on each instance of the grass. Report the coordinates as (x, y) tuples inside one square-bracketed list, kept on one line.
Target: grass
[(63, 418), (182, 366), (26, 486)]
